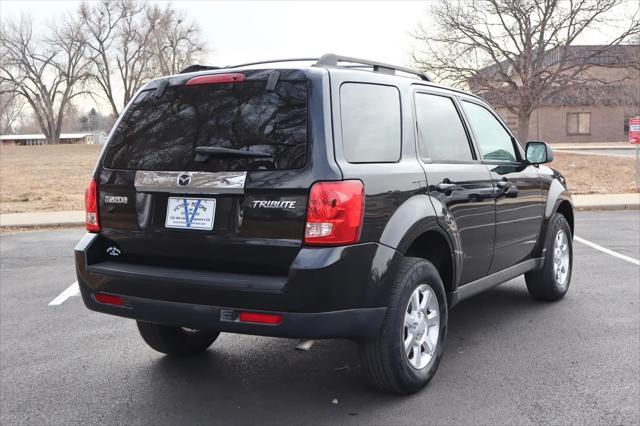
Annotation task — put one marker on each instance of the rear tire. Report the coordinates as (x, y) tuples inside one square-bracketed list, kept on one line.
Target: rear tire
[(551, 282), (176, 340), (405, 355)]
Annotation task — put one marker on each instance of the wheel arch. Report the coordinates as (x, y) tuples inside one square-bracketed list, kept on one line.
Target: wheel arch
[(566, 209), (414, 231), (558, 201), (433, 245)]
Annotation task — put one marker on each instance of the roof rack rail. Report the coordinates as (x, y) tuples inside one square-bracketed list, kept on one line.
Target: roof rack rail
[(273, 61), (326, 60), (333, 60)]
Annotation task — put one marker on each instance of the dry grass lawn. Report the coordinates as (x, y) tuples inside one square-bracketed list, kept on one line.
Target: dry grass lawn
[(45, 178), (52, 178), (591, 174)]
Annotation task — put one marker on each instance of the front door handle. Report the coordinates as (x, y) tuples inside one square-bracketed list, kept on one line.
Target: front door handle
[(509, 189), (504, 184)]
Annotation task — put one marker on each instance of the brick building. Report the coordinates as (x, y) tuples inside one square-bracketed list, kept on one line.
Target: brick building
[(598, 113)]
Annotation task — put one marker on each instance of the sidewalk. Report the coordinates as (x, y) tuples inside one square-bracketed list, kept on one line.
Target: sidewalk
[(76, 218), (28, 220), (591, 145), (607, 202)]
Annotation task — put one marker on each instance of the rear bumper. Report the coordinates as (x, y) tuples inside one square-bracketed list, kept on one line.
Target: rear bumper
[(328, 292), (352, 323)]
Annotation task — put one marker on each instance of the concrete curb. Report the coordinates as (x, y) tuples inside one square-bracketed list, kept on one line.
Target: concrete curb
[(608, 207), (66, 224), (630, 201), (592, 145), (37, 219)]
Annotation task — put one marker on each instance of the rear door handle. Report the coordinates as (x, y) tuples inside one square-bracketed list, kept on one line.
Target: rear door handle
[(446, 186)]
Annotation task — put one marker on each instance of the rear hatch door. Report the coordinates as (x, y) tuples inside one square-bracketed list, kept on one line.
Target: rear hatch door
[(212, 175)]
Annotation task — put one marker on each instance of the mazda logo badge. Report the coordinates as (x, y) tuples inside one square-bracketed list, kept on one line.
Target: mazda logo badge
[(184, 179)]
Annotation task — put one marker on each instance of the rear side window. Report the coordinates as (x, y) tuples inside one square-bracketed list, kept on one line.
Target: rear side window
[(162, 133), (441, 134), (493, 140), (370, 117)]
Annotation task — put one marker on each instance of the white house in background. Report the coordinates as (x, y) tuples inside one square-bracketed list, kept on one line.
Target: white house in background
[(65, 138)]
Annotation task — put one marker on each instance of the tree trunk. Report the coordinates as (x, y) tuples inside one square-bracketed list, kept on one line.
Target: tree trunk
[(523, 127), (114, 108)]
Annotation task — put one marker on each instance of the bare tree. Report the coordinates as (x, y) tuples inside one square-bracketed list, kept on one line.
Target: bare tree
[(120, 34), (177, 43), (47, 73), (11, 107), (517, 50), (101, 24), (130, 42)]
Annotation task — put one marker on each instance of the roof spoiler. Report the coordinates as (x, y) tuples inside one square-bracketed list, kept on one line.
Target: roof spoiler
[(196, 68)]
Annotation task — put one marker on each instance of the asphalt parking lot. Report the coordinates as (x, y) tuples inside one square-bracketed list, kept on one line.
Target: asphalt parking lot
[(508, 359)]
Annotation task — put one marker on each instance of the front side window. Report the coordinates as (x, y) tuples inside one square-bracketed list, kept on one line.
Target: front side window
[(494, 141), (578, 123), (441, 135), (371, 125)]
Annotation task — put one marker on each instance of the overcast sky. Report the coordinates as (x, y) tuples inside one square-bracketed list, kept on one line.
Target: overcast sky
[(242, 31)]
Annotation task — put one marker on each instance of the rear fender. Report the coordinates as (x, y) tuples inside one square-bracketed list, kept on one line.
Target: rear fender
[(412, 219)]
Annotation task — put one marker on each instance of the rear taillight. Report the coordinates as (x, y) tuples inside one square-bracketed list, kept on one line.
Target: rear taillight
[(91, 207), (216, 79), (260, 318), (334, 215)]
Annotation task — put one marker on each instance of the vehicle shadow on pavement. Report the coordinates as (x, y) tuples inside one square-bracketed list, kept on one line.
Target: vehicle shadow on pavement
[(250, 379)]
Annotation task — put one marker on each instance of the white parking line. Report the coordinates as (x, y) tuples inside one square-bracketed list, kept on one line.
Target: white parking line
[(72, 290), (606, 250)]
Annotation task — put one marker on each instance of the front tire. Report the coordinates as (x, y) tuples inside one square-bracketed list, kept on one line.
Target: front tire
[(405, 355), (177, 341), (551, 282)]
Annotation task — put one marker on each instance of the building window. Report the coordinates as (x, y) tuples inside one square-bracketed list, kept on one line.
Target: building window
[(578, 123)]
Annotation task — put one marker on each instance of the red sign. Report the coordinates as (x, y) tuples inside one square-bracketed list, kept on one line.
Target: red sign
[(634, 130)]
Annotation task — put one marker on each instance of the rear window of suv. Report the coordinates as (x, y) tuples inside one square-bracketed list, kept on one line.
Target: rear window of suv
[(162, 133)]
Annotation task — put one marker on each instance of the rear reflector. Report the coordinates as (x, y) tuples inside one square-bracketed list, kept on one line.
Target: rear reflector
[(334, 215), (91, 207), (259, 318), (109, 299), (216, 79)]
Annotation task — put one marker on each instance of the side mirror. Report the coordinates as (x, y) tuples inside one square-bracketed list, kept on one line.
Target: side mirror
[(539, 152)]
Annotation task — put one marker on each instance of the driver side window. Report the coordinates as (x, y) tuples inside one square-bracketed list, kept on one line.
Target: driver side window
[(493, 140)]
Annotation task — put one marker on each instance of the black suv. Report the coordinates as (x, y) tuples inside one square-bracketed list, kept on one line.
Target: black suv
[(340, 199)]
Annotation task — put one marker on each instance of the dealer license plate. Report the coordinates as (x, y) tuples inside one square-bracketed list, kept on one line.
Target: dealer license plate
[(190, 213)]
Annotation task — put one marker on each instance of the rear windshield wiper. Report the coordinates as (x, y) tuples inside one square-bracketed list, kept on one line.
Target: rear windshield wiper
[(204, 152)]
